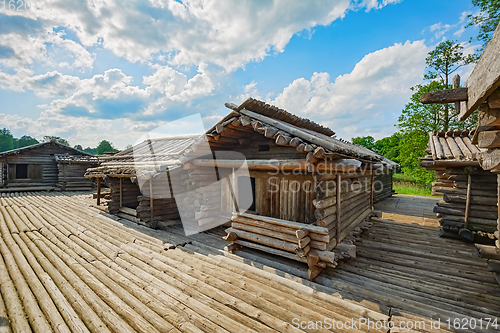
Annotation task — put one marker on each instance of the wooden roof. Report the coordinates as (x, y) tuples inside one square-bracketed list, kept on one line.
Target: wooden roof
[(43, 144), (149, 155), (454, 145), (66, 158), (266, 118), (274, 112)]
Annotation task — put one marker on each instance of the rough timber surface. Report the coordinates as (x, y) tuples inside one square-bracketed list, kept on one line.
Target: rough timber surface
[(68, 267)]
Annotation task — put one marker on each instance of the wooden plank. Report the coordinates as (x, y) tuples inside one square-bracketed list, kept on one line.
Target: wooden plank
[(485, 78), (295, 225), (445, 96)]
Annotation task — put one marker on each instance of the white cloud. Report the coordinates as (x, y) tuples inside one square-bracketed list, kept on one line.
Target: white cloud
[(378, 83)]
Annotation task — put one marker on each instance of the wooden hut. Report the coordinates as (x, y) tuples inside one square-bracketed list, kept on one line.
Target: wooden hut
[(45, 166), (309, 191), (143, 179), (481, 92), (469, 193)]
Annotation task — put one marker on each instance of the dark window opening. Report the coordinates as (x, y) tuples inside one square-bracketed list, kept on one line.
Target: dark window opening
[(21, 171), (246, 193), (263, 147)]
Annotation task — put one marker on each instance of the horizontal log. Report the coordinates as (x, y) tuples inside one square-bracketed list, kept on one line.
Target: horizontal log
[(488, 251), (481, 193), (491, 201), (445, 96), (461, 212), (265, 232), (456, 205), (294, 225), (269, 241), (494, 265), (489, 139)]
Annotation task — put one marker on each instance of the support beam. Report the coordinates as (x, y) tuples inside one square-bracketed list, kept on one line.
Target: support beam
[(489, 139), (444, 96)]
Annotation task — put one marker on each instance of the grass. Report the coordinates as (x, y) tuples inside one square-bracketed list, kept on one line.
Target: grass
[(403, 184), (411, 189)]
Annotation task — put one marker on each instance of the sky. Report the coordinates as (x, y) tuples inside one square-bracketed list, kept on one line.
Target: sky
[(115, 70)]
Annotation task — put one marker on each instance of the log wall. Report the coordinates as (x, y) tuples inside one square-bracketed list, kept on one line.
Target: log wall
[(482, 200), (442, 184), (130, 193), (161, 192), (71, 176), (383, 185)]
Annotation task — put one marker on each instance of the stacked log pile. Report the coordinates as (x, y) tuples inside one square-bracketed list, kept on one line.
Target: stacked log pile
[(470, 205), (124, 193), (71, 177), (306, 243)]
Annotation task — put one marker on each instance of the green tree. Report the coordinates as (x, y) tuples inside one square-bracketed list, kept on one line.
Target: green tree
[(57, 139), (389, 146), (105, 147), (89, 150), (487, 19), (78, 147), (366, 141), (25, 141), (6, 140), (443, 61)]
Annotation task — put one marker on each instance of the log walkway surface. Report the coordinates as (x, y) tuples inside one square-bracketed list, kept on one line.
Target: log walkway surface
[(68, 267)]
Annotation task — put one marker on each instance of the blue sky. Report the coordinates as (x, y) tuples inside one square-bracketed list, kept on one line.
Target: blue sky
[(114, 70)]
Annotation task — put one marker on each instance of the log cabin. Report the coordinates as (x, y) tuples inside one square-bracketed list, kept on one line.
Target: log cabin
[(268, 175), (481, 92), (143, 179), (469, 203), (383, 182), (303, 194), (45, 166)]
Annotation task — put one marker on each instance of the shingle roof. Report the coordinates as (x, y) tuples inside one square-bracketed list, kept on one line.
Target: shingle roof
[(452, 145)]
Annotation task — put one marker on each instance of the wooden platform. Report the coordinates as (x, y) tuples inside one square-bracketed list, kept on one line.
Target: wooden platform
[(69, 267)]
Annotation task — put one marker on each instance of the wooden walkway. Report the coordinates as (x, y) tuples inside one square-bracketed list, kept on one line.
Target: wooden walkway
[(68, 267)]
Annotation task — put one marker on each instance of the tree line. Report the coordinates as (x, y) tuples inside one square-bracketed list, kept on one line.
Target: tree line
[(9, 142), (417, 120)]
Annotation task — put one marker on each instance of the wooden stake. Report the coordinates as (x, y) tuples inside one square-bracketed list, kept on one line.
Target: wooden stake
[(338, 207), (121, 194), (98, 191)]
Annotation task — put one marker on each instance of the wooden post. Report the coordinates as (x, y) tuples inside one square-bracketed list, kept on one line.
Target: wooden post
[(98, 191), (121, 195), (456, 84), (372, 189), (338, 207), (467, 202), (497, 242), (151, 202)]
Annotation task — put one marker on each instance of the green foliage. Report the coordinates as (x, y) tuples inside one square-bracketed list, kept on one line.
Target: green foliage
[(412, 147), (388, 147), (6, 140), (78, 147), (366, 141), (89, 150), (426, 117), (25, 141), (446, 59), (57, 139), (487, 19), (105, 147)]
